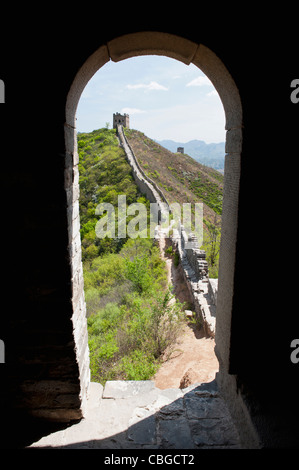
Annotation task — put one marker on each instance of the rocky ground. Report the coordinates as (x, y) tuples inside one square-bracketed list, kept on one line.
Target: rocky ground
[(193, 359)]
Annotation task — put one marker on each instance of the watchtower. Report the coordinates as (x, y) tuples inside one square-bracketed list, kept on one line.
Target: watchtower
[(123, 119)]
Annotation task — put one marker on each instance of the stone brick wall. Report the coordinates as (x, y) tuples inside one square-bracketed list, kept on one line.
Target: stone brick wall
[(195, 272), (193, 260), (79, 321), (144, 183), (121, 119)]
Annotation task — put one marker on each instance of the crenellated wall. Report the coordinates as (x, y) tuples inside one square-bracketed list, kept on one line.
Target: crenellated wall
[(192, 258), (195, 272), (144, 183)]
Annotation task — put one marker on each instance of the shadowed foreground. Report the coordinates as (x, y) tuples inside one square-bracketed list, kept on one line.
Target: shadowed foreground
[(137, 415)]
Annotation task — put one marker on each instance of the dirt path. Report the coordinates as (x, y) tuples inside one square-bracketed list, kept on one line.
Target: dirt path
[(193, 359)]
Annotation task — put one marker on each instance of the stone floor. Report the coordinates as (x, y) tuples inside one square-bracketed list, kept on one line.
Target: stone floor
[(137, 415)]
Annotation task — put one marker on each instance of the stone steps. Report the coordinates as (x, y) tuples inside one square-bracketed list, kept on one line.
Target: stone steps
[(138, 415)]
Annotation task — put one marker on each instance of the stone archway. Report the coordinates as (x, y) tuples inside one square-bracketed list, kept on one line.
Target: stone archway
[(157, 43)]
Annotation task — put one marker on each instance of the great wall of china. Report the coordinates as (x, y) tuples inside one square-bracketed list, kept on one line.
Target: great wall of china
[(203, 291), (137, 414)]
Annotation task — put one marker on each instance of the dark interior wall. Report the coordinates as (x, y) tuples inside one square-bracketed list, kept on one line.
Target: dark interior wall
[(41, 55), (264, 320)]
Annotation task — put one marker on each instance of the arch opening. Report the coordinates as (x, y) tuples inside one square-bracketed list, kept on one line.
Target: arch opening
[(152, 43)]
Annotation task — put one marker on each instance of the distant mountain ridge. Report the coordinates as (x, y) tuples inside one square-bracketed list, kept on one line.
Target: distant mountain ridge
[(208, 154)]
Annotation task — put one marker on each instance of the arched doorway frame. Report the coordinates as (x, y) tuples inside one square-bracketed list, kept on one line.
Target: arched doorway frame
[(176, 47)]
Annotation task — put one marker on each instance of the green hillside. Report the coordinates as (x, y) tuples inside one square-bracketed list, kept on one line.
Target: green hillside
[(211, 155), (104, 174), (180, 177), (182, 180), (130, 321)]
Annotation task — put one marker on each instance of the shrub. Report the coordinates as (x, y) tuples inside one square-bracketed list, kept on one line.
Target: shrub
[(131, 337), (176, 259), (139, 366), (81, 144), (169, 250), (137, 271)]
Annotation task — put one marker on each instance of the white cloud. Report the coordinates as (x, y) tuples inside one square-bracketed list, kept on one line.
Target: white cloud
[(200, 81), (132, 111), (149, 87)]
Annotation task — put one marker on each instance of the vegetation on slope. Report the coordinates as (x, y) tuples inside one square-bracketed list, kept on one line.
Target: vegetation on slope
[(104, 174), (182, 180), (130, 319), (128, 335)]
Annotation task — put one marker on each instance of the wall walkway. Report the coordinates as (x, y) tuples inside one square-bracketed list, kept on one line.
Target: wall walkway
[(144, 183), (138, 415)]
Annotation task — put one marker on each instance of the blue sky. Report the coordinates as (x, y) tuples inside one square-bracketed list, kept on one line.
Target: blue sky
[(165, 99)]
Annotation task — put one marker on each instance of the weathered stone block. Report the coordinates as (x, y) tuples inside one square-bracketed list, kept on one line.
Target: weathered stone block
[(142, 429), (152, 43), (127, 389), (176, 408), (174, 433), (214, 432), (205, 408), (212, 290)]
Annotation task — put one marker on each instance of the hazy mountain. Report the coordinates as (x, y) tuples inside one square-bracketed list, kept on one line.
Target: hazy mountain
[(208, 154)]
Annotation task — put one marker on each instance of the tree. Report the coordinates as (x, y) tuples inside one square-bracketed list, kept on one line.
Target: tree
[(212, 245), (138, 272)]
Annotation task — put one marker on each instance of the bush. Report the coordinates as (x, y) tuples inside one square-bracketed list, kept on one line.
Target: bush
[(139, 366), (137, 271), (133, 336), (176, 259), (166, 322), (81, 144), (169, 250)]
